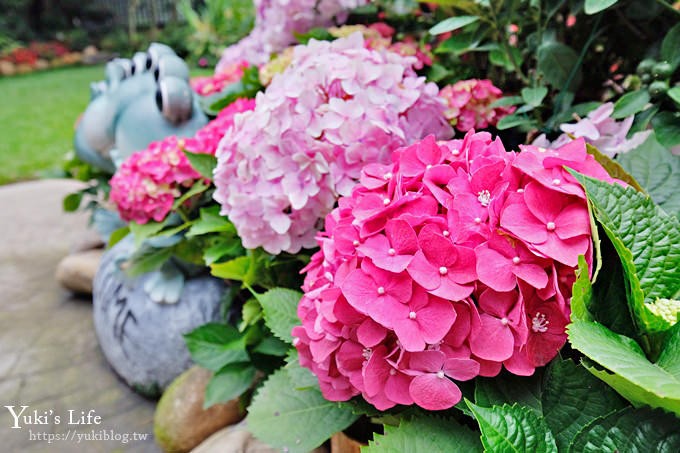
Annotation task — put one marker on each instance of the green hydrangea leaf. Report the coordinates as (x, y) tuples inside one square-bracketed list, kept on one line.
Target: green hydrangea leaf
[(572, 398), (609, 305), (144, 231), (669, 359), (632, 431), (211, 221), (302, 377), (279, 306), (235, 269), (201, 162), (556, 61), (452, 23), (630, 104), (509, 388), (513, 429), (147, 259), (294, 420), (626, 368), (220, 247), (197, 188), (581, 293), (214, 345), (595, 6), (228, 383), (645, 238), (614, 168), (657, 170), (425, 433)]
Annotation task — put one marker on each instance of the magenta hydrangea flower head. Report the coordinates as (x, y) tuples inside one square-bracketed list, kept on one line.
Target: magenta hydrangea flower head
[(338, 107), (277, 22), (469, 104), (452, 262), (228, 74), (145, 186)]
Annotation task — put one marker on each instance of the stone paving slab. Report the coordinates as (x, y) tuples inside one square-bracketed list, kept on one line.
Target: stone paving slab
[(49, 356)]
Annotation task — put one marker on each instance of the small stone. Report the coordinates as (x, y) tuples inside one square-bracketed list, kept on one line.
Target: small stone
[(76, 272), (181, 423)]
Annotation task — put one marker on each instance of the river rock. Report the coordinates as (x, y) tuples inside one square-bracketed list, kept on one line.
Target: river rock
[(181, 423), (76, 272), (142, 339)]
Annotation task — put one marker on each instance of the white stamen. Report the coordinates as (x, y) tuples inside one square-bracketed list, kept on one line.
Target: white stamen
[(455, 152), (550, 226), (539, 323), (393, 371), (387, 176), (478, 220), (391, 252), (412, 315), (556, 182), (505, 321), (484, 197), (381, 290), (428, 166), (367, 353), (520, 190), (355, 243), (443, 270), (446, 233), (515, 260), (386, 201), (440, 374)]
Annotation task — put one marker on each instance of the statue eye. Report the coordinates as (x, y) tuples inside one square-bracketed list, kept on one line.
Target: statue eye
[(159, 99)]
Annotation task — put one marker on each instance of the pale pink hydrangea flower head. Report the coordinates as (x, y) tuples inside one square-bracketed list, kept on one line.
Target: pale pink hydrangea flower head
[(337, 107), (452, 262), (602, 131), (277, 22)]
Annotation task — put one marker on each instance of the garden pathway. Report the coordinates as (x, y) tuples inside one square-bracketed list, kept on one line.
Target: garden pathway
[(49, 356)]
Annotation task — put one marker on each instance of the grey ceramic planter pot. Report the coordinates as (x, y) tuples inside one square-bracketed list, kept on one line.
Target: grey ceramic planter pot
[(142, 339)]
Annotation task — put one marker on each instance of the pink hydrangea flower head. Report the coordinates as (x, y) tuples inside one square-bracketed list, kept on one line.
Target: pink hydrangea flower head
[(228, 74), (338, 107), (411, 48), (145, 186), (469, 104), (277, 22), (452, 262)]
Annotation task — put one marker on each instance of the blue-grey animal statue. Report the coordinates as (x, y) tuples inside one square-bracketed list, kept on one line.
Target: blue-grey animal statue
[(143, 99)]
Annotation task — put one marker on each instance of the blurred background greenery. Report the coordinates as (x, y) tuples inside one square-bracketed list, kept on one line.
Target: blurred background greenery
[(40, 108)]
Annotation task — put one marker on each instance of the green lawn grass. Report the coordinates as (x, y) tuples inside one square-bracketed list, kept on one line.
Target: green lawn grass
[(37, 115)]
